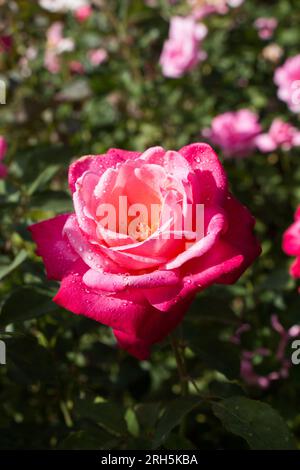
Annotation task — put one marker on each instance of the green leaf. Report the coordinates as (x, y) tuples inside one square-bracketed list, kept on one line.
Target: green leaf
[(5, 270), (172, 416), (86, 440), (28, 361), (24, 304), (110, 416), (147, 415), (56, 201), (258, 423), (43, 178), (213, 352)]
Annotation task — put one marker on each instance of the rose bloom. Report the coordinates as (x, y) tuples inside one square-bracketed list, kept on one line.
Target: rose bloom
[(142, 285), (97, 56), (56, 45), (266, 27), (291, 244), (281, 134), (83, 13), (3, 150), (287, 78), (182, 50), (234, 132)]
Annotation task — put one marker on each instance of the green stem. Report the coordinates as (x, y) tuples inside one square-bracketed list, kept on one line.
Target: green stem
[(178, 350)]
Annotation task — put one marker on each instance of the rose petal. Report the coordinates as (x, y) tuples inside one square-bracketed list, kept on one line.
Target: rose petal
[(53, 246)]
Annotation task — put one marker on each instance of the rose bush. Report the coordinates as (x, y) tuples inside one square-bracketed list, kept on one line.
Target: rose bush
[(142, 287)]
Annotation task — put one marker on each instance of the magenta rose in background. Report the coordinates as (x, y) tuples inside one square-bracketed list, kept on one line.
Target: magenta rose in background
[(83, 13), (3, 150), (281, 135), (234, 132), (266, 27), (141, 286), (56, 45), (182, 50), (287, 78), (291, 244)]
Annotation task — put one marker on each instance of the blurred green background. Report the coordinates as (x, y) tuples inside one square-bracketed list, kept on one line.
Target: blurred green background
[(65, 385)]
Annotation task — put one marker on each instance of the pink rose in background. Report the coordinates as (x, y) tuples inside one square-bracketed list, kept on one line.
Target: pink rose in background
[(56, 45), (281, 135), (291, 244), (182, 50), (266, 27), (234, 132), (3, 150), (140, 279), (83, 13), (287, 78), (97, 56)]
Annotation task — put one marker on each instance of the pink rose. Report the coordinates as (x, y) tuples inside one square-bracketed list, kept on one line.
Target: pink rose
[(83, 13), (281, 134), (97, 56), (56, 45), (287, 78), (291, 244), (234, 132), (137, 274), (3, 150), (182, 52), (266, 27)]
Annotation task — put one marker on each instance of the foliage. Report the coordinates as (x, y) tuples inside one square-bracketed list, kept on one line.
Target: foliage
[(65, 384)]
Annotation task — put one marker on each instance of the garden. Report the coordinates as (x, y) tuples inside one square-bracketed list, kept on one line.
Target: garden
[(121, 330)]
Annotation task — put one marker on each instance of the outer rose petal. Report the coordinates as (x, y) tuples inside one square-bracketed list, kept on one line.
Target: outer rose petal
[(57, 253), (212, 178), (136, 323), (98, 164), (295, 268), (120, 282)]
